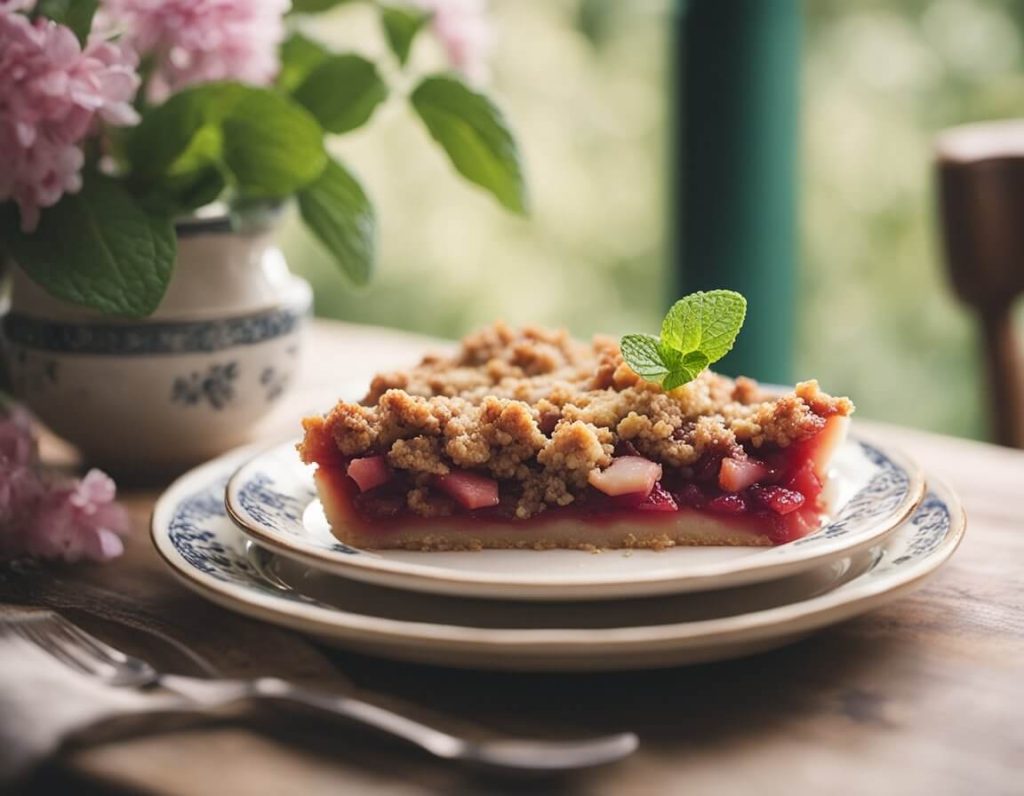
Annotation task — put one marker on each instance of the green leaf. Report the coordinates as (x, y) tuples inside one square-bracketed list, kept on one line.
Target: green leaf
[(314, 6), (705, 321), (166, 132), (99, 247), (400, 28), (271, 146), (342, 92), (265, 144), (473, 132), (196, 178), (299, 56), (677, 378), (642, 353), (696, 361), (699, 329), (338, 212), (186, 192), (76, 14)]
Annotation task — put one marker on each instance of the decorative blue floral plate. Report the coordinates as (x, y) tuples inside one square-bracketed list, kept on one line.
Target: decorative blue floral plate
[(273, 500), (204, 548)]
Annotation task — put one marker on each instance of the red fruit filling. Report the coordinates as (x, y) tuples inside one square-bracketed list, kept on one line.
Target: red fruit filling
[(777, 495)]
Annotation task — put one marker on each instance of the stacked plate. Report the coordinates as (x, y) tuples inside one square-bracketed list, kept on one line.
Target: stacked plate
[(248, 532)]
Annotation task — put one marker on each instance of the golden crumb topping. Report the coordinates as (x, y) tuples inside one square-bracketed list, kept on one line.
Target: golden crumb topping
[(539, 411)]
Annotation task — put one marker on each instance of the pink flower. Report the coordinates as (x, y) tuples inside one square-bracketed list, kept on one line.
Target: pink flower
[(16, 5), (52, 93), (40, 516), (465, 33), (198, 41), (79, 521)]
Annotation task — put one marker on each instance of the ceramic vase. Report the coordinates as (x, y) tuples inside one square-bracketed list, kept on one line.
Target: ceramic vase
[(190, 381)]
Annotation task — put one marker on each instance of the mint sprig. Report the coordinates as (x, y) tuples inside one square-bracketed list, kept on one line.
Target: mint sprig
[(699, 329)]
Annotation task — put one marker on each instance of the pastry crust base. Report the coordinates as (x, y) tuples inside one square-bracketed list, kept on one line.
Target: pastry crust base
[(646, 530)]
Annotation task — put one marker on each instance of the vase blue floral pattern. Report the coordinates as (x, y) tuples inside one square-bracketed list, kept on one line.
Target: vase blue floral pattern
[(215, 387), (146, 339)]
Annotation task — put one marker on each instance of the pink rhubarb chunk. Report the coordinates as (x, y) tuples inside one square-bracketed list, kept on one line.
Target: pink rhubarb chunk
[(626, 475), (470, 490), (737, 474), (369, 472)]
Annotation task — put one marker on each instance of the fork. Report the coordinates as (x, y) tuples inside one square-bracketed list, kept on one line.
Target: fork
[(86, 654)]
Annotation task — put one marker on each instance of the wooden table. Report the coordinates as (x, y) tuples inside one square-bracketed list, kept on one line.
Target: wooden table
[(923, 696)]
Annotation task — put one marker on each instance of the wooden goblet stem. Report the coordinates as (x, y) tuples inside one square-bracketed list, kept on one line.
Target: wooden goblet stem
[(1003, 360)]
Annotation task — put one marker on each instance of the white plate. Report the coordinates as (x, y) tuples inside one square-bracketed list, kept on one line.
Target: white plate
[(274, 502), (192, 532)]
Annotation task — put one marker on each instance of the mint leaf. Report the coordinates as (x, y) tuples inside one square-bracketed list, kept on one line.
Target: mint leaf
[(696, 361), (400, 28), (698, 330), (299, 56), (338, 212), (266, 145), (705, 321), (643, 354), (75, 14), (342, 92), (474, 134), (682, 368), (677, 378), (99, 248)]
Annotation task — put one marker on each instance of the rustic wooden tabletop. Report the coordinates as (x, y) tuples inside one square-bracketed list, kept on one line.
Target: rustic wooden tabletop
[(923, 696)]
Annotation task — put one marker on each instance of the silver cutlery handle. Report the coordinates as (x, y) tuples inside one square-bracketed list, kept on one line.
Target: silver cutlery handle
[(432, 740), (508, 754), (214, 693)]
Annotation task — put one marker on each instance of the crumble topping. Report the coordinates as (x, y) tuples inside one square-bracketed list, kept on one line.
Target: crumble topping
[(539, 411)]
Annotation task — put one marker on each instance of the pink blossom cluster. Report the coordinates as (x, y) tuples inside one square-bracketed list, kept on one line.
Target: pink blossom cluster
[(52, 92), (198, 41), (465, 33), (53, 518)]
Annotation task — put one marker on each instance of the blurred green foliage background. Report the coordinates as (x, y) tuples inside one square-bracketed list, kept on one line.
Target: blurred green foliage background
[(585, 85)]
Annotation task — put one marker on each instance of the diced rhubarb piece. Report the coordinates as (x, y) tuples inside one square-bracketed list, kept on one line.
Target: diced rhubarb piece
[(826, 442), (779, 499), (805, 481), (736, 475), (728, 504), (470, 490), (369, 472), (658, 500), (626, 475)]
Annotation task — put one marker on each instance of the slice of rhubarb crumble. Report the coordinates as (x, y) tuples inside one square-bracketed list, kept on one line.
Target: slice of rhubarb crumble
[(529, 439)]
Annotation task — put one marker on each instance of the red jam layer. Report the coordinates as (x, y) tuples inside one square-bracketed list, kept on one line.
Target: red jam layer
[(783, 503)]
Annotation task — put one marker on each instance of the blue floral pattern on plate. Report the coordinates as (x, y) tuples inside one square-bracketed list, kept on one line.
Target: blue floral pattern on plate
[(199, 542), (270, 497), (206, 541)]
